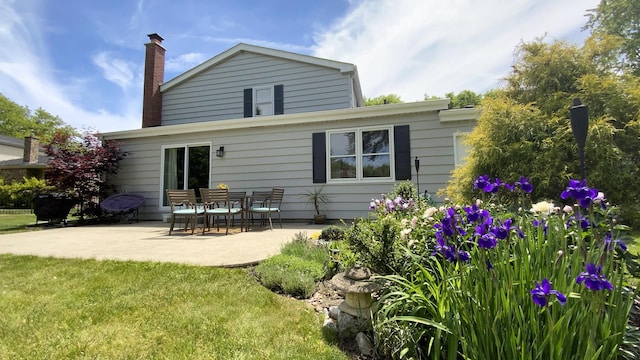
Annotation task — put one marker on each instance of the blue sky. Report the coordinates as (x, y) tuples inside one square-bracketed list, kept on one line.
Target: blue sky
[(83, 60)]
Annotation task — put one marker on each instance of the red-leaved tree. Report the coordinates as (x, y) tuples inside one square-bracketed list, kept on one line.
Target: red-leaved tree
[(79, 165)]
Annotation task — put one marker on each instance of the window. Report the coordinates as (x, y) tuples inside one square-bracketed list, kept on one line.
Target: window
[(185, 167), (264, 101), (362, 154), (460, 150)]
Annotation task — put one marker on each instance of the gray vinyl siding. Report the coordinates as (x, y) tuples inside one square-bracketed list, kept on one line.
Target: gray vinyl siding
[(276, 156), (217, 93)]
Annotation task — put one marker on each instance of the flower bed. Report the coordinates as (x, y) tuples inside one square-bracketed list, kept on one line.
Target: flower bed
[(499, 278)]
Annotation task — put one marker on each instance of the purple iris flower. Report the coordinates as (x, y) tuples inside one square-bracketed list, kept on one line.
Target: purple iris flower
[(495, 186), (474, 213), (502, 230), (483, 183), (611, 244), (524, 184), (540, 294), (486, 239), (449, 251), (579, 190), (593, 278)]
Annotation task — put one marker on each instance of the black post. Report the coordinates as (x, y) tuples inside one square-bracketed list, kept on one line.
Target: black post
[(416, 162), (579, 125)]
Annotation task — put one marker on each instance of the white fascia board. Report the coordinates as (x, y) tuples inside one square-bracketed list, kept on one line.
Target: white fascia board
[(342, 66), (284, 120), (464, 114)]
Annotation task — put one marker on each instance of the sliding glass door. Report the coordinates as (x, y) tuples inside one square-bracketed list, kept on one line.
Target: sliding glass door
[(185, 167)]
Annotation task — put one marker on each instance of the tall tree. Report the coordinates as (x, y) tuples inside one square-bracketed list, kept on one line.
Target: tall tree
[(620, 18), (18, 121), (382, 99), (463, 99), (525, 129)]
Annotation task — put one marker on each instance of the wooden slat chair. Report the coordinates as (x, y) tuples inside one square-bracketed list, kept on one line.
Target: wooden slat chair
[(268, 206), (184, 204), (238, 199), (218, 203)]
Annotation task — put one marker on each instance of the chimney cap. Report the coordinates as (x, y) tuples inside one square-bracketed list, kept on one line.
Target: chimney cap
[(155, 36)]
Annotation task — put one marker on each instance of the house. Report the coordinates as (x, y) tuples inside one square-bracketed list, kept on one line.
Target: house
[(21, 158), (256, 118)]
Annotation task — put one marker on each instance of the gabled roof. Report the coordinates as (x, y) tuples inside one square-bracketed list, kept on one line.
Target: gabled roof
[(338, 65)]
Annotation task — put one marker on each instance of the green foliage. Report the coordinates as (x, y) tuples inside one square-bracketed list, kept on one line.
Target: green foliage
[(405, 189), (463, 99), (382, 99), (18, 121), (317, 198), (296, 269), (442, 307), (291, 274), (619, 18), (332, 233), (22, 192), (525, 128), (71, 309), (376, 243)]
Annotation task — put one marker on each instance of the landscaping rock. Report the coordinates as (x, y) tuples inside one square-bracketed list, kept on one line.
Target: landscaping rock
[(364, 344)]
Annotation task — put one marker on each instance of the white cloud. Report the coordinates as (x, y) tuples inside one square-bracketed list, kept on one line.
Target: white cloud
[(27, 77), (413, 47), (115, 70), (184, 62)]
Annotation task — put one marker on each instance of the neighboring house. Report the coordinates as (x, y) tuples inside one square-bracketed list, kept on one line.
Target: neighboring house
[(20, 158), (256, 118)]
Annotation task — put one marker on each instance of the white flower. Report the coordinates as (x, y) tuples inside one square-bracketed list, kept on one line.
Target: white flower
[(405, 233), (414, 222), (567, 209), (543, 207), (430, 211)]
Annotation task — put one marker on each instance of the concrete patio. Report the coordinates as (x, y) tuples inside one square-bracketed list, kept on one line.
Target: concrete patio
[(150, 241)]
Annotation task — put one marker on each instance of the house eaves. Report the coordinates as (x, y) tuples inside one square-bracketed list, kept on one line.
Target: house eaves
[(461, 114), (341, 66), (286, 119)]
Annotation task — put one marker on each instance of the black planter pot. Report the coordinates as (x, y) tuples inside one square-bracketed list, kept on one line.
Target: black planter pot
[(53, 208)]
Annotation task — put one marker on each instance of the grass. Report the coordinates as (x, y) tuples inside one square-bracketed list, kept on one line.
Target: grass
[(65, 309), (11, 223)]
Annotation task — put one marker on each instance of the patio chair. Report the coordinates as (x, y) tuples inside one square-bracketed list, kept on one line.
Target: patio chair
[(218, 203), (184, 204), (123, 205), (266, 206)]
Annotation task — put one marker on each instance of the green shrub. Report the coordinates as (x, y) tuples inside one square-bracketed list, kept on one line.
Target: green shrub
[(332, 233), (307, 251), (291, 274), (22, 193), (405, 189)]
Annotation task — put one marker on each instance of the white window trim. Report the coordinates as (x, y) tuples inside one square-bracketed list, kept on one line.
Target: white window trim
[(457, 160), (173, 146), (359, 178), (255, 99)]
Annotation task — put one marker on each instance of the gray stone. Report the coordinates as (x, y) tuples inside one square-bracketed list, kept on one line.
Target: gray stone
[(349, 325), (364, 344), (334, 312)]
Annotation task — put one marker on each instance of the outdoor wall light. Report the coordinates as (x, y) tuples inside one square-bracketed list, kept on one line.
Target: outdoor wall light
[(220, 151)]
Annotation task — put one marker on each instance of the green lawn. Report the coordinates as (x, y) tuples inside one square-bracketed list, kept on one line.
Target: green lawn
[(66, 309), (16, 222)]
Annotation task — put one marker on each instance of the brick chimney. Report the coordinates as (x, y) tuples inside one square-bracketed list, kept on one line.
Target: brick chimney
[(31, 150), (153, 77)]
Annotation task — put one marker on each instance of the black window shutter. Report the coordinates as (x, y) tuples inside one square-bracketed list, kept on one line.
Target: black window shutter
[(278, 99), (319, 149), (248, 102), (402, 152)]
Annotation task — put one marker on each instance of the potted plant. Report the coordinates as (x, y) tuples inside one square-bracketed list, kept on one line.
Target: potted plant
[(317, 199)]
